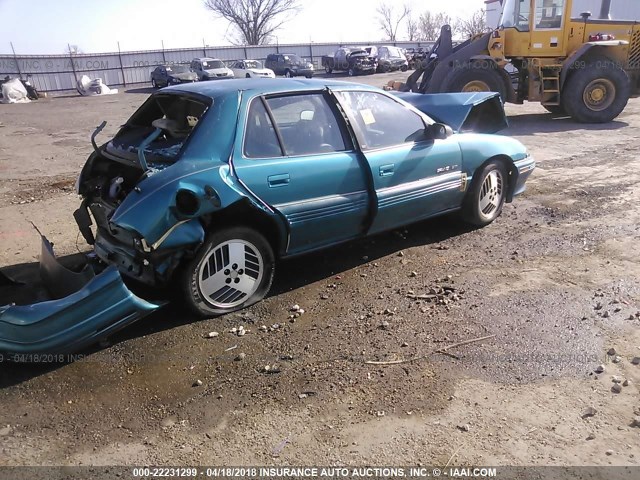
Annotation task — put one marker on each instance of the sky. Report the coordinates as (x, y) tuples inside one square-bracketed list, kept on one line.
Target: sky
[(46, 27)]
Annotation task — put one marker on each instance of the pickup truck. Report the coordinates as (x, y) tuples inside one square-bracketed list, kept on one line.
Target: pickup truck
[(355, 61)]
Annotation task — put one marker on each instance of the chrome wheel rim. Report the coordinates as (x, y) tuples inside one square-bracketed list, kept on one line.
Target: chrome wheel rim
[(230, 273), (491, 194)]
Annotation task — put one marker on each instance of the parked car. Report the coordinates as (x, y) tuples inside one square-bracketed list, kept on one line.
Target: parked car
[(210, 69), (388, 58), (208, 184), (165, 75), (251, 69), (353, 60), (289, 65)]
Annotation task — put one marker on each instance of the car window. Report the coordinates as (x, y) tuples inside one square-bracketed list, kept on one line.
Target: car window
[(382, 121), (307, 125), (260, 139)]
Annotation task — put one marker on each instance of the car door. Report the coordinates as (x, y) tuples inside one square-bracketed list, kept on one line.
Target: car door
[(294, 154), (414, 177)]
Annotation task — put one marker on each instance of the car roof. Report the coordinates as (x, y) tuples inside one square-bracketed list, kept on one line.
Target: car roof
[(260, 86)]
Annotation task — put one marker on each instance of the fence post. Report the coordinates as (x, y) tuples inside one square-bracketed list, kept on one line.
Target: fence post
[(245, 53), (311, 51), (73, 67), (204, 48), (124, 80), (15, 59), (164, 60)]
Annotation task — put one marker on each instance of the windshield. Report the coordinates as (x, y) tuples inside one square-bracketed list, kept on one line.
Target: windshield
[(391, 52), (293, 58), (253, 64), (211, 64), (178, 69), (515, 13)]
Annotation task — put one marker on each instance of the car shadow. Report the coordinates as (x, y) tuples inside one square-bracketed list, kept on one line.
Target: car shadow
[(139, 90), (537, 123), (291, 274)]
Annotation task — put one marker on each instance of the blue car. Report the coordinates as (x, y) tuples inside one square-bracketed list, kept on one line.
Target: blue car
[(208, 184)]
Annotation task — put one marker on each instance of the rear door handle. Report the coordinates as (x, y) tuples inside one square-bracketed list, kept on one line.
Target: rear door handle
[(386, 170), (278, 180)]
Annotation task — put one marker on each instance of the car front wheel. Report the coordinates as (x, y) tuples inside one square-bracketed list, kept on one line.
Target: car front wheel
[(485, 198), (233, 269), (154, 83), (288, 74)]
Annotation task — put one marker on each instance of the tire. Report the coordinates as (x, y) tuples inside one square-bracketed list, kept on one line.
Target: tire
[(597, 93), (154, 84), (555, 109), (328, 69), (240, 247), (485, 198), (351, 72), (404, 68), (308, 76), (287, 73), (476, 77), (247, 76)]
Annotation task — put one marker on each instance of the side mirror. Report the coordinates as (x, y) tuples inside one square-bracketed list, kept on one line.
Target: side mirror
[(439, 131)]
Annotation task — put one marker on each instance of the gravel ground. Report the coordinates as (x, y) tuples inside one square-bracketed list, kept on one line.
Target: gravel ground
[(555, 281)]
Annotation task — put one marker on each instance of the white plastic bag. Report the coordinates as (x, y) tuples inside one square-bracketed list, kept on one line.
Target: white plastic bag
[(14, 92)]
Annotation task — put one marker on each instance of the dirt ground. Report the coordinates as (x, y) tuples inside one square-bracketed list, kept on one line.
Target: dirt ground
[(556, 280)]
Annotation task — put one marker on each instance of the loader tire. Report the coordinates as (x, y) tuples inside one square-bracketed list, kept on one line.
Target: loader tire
[(476, 77), (598, 93)]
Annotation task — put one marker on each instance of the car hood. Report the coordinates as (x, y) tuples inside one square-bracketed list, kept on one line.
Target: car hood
[(184, 76), (260, 71), (217, 70), (480, 112)]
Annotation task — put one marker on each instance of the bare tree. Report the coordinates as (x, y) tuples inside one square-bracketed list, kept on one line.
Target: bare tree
[(430, 25), (254, 21), (413, 29), (390, 21), (472, 25)]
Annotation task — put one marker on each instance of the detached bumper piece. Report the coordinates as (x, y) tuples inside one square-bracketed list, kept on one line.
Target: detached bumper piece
[(101, 306)]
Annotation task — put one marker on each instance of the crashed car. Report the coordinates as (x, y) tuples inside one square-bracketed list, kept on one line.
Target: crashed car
[(208, 184), (165, 75)]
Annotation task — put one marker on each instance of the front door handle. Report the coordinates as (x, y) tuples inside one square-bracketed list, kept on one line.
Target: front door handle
[(386, 170), (281, 180)]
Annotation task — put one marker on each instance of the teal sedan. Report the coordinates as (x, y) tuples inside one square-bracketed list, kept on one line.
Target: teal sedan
[(208, 184)]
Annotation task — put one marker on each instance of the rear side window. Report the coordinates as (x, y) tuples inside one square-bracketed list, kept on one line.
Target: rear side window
[(307, 125), (382, 121), (260, 139)]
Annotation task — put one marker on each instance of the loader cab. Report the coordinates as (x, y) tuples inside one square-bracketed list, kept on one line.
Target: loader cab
[(534, 27)]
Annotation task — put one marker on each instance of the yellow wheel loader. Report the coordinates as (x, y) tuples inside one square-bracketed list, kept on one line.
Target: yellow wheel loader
[(573, 62)]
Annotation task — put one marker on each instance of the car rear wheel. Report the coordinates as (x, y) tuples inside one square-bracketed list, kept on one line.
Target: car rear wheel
[(233, 269), (248, 76), (328, 69), (288, 74), (154, 83), (485, 198)]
